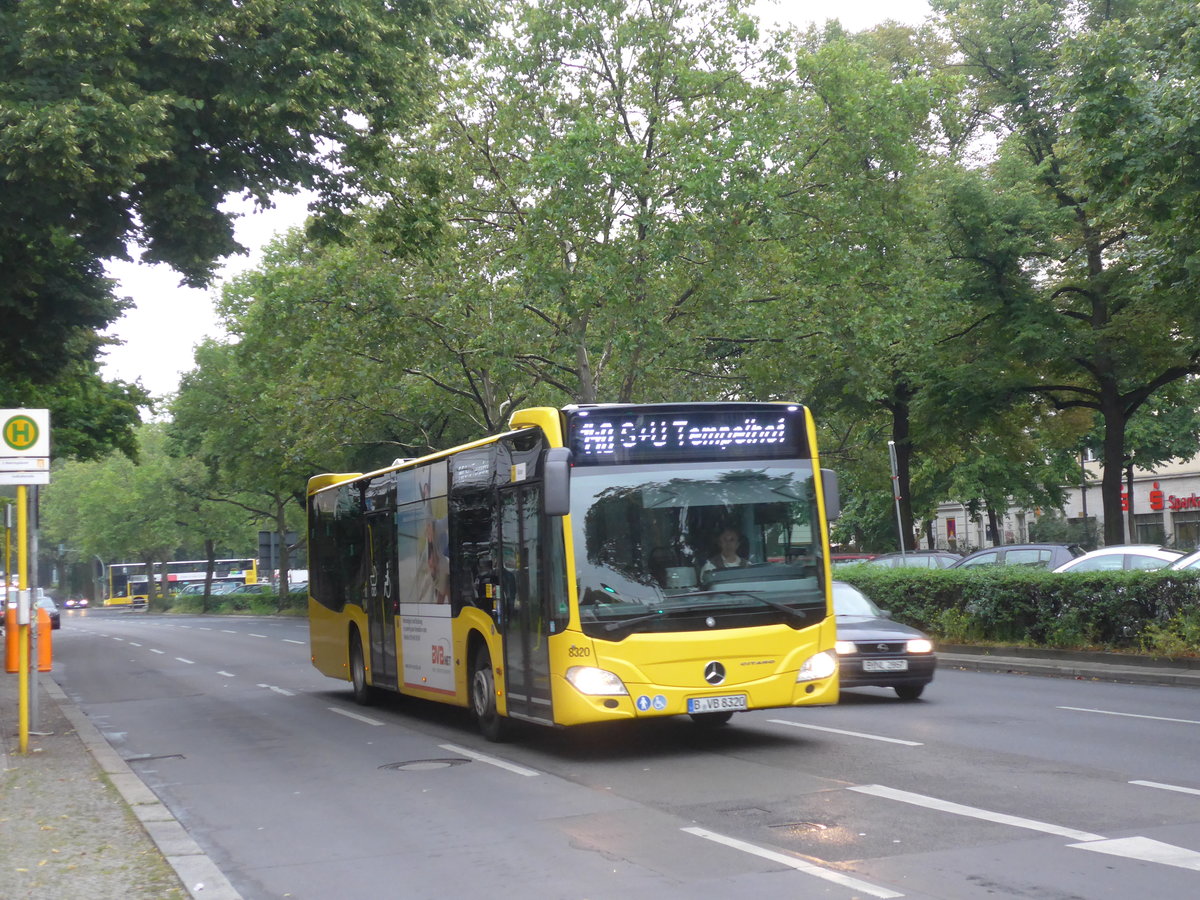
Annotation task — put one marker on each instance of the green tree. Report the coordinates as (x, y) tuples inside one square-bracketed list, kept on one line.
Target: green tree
[(129, 122), (1073, 277)]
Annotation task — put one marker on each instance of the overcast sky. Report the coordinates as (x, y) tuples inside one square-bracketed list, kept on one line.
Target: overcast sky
[(160, 333)]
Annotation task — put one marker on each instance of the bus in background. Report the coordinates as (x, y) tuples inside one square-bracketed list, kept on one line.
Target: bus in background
[(128, 584), (594, 563)]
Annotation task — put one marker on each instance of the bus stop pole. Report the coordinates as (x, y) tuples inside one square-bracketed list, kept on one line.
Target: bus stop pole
[(23, 617), (32, 518)]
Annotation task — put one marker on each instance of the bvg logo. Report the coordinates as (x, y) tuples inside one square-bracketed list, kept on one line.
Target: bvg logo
[(20, 432)]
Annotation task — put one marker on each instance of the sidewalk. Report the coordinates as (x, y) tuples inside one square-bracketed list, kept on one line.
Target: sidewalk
[(1116, 667), (75, 821)]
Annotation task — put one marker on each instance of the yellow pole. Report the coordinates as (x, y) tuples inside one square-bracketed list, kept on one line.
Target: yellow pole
[(23, 630)]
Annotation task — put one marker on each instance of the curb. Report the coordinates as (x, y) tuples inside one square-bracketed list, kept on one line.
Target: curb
[(198, 874), (1121, 674)]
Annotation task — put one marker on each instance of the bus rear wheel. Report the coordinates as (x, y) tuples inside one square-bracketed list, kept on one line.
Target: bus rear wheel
[(363, 694), (492, 725)]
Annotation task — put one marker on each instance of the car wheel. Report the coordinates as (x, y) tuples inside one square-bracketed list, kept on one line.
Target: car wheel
[(363, 693), (492, 725), (909, 691)]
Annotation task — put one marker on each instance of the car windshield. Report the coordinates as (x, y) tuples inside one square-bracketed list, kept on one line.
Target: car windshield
[(850, 601), (705, 546)]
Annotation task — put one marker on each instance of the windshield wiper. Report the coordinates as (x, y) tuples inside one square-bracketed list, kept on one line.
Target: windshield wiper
[(791, 611), (624, 623)]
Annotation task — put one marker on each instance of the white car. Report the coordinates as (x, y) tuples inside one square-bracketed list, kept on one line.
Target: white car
[(1122, 556)]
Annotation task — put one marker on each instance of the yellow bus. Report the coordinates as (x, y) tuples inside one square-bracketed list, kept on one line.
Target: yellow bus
[(593, 563), (128, 584)]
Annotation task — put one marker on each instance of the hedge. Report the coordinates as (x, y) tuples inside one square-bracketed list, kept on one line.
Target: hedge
[(1152, 611)]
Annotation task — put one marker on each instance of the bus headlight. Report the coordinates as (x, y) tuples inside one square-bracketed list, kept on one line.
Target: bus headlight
[(822, 665), (596, 682)]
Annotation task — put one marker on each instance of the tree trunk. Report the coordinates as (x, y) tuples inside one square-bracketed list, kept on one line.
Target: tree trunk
[(1114, 466), (210, 568), (901, 437)]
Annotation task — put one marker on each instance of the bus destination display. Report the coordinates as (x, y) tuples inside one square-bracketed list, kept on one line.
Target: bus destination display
[(604, 437)]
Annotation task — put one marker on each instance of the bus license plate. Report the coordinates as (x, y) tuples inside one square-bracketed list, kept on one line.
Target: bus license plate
[(885, 665), (730, 702)]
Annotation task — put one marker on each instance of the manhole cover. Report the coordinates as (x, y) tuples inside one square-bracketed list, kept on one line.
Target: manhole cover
[(424, 765)]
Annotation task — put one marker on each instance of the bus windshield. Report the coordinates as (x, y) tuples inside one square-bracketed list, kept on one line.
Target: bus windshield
[(704, 546)]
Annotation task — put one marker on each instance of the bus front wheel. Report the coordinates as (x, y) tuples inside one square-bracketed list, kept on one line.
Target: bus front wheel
[(483, 697), (358, 672)]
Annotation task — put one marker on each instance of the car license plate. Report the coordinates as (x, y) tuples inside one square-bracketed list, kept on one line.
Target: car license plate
[(730, 702), (885, 665)]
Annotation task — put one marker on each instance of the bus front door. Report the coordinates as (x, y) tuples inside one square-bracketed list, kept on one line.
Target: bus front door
[(524, 617), (382, 599)]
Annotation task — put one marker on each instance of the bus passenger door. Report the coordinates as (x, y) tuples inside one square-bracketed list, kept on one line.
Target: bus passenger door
[(524, 618), (382, 598)]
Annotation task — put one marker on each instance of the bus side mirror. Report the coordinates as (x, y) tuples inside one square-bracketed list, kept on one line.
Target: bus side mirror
[(556, 482), (833, 500)]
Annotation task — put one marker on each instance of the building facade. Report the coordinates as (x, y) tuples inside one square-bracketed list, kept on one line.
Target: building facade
[(1165, 510)]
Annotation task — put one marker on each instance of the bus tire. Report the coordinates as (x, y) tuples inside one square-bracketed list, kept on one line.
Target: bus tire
[(492, 725), (363, 694), (712, 719)]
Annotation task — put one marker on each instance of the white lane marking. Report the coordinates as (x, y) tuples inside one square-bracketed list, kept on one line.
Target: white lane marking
[(879, 790), (252, 634), (278, 690), (1107, 712), (290, 641), (227, 674), (1167, 787), (797, 864), (115, 638), (134, 644), (229, 631), (205, 628), (860, 734), (1146, 849), (491, 760), (353, 715), (152, 650), (188, 661)]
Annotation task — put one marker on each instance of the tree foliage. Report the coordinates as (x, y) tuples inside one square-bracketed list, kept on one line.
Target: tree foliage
[(129, 122)]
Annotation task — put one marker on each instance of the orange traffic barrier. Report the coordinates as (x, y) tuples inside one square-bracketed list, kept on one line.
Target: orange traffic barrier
[(12, 647)]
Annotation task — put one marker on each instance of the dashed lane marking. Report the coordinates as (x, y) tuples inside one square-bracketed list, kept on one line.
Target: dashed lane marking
[(879, 790), (1167, 787), (799, 865), (354, 715), (1109, 712), (858, 734), (491, 760)]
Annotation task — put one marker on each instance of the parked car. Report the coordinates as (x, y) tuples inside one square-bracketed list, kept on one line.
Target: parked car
[(1190, 561), (76, 603), (916, 559), (1122, 556), (51, 607), (197, 590), (849, 559), (259, 587), (874, 651), (1041, 556)]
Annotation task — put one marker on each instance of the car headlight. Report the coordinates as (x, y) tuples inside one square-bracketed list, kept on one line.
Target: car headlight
[(844, 648), (596, 682), (822, 665), (920, 645)]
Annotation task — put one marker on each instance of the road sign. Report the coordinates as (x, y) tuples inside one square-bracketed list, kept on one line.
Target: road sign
[(28, 477), (25, 433)]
